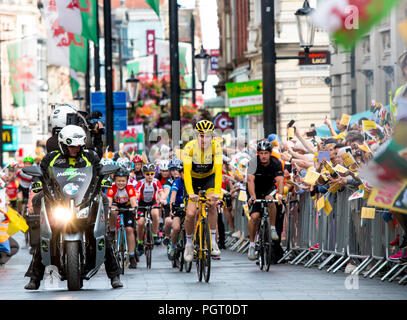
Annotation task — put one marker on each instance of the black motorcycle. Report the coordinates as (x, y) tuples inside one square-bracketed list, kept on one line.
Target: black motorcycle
[(72, 221)]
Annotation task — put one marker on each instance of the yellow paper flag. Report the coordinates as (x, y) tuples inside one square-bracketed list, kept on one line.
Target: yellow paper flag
[(368, 213), (17, 222), (368, 125), (327, 207), (340, 169), (347, 159), (345, 119), (311, 177), (334, 188), (320, 203), (242, 196)]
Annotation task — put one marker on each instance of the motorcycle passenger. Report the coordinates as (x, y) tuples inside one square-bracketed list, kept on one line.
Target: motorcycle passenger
[(71, 154), (149, 193), (123, 195)]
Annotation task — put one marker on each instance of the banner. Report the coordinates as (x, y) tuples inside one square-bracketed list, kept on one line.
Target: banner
[(392, 196), (133, 139), (22, 57)]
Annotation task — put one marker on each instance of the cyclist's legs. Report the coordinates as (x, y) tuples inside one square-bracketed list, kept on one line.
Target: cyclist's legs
[(190, 217), (140, 228), (155, 216), (253, 225), (131, 240), (272, 209), (176, 227)]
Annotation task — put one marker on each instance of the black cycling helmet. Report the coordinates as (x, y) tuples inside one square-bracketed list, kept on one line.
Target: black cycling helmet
[(264, 145), (122, 173), (149, 167)]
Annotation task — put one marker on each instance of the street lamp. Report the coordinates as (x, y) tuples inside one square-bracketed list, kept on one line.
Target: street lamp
[(202, 63), (133, 87), (306, 29)]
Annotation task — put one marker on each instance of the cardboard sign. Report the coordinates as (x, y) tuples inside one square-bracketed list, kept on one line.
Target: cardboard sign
[(368, 213), (368, 125), (345, 119), (324, 155), (311, 177)]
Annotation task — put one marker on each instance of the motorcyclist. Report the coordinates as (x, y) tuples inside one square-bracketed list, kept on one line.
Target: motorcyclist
[(71, 153)]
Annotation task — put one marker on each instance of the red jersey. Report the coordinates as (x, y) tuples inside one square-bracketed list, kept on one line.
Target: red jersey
[(148, 191), (12, 190), (121, 196)]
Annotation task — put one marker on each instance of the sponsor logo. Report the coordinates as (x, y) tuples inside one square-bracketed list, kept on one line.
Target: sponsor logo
[(71, 173), (71, 189)]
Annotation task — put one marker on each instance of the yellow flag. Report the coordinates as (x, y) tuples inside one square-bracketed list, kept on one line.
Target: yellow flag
[(365, 148), (367, 125), (368, 213), (340, 169), (242, 196), (334, 188), (320, 203), (17, 222), (327, 207), (311, 177), (347, 159), (345, 119)]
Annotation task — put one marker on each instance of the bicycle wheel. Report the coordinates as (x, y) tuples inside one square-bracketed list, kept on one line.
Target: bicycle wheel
[(206, 253), (199, 265), (122, 249), (267, 246), (261, 248), (180, 249), (148, 244)]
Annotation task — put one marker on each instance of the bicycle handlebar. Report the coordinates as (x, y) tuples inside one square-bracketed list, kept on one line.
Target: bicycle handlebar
[(122, 209)]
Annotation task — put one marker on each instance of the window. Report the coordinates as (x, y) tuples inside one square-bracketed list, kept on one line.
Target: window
[(368, 90)]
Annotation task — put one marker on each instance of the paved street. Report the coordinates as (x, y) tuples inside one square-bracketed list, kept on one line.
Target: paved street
[(233, 277)]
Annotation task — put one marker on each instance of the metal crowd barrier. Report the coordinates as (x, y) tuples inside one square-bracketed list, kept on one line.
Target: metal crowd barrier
[(342, 236)]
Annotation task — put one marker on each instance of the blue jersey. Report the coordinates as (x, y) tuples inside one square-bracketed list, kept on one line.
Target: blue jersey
[(179, 187)]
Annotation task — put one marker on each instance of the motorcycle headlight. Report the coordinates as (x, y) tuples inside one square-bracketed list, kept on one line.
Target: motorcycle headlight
[(62, 214), (83, 213)]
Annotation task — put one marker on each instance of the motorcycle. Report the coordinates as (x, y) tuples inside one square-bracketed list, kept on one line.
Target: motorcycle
[(72, 221)]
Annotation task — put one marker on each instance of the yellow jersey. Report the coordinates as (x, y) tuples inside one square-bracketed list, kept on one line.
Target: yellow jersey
[(199, 164)]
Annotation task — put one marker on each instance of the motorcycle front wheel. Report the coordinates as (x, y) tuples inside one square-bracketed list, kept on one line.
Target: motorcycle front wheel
[(73, 266)]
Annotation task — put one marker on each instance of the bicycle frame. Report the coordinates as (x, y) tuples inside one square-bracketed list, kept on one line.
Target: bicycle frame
[(202, 217)]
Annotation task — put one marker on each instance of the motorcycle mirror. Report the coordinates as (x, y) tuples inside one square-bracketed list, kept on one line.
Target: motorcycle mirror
[(33, 171), (108, 169)]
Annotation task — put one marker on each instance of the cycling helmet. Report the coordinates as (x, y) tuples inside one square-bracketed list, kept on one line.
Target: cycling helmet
[(29, 159), (204, 126), (176, 164), (59, 115), (71, 136), (125, 163), (264, 145), (105, 161), (122, 172), (164, 165), (149, 167), (137, 158)]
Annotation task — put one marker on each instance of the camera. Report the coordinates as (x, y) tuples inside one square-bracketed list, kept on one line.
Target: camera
[(311, 134), (358, 153)]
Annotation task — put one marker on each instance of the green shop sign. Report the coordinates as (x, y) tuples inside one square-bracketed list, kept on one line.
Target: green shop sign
[(245, 97)]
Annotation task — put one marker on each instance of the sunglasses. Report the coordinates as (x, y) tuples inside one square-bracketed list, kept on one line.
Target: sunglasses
[(149, 173)]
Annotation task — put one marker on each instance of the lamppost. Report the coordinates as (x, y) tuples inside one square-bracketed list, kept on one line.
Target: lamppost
[(133, 87), (306, 32), (202, 63)]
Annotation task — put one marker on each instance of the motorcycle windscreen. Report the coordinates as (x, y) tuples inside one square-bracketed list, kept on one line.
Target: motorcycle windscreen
[(73, 182)]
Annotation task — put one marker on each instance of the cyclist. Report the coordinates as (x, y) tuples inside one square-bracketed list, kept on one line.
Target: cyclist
[(174, 171), (261, 174), (203, 162), (149, 193), (164, 173), (176, 198), (24, 185), (123, 195), (137, 174)]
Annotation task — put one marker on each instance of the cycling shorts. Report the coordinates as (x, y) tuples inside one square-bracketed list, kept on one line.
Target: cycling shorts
[(141, 211), (203, 183)]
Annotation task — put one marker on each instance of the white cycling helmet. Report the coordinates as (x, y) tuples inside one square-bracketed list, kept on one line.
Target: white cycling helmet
[(58, 117), (164, 165), (71, 136)]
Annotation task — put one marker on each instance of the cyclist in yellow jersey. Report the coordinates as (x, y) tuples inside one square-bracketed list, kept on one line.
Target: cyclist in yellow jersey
[(203, 161)]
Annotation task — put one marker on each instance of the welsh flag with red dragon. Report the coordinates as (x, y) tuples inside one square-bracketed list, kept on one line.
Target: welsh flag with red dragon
[(347, 21)]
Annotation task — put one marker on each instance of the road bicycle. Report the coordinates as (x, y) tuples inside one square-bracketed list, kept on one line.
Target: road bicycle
[(120, 241), (263, 243), (202, 239), (179, 250), (148, 234)]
